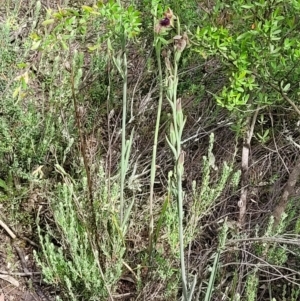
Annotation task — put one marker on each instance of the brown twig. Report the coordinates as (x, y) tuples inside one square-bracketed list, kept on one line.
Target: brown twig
[(280, 240), (29, 241), (83, 150), (242, 203), (83, 147), (122, 296), (22, 259), (27, 273), (288, 191), (20, 274), (14, 236), (7, 229), (263, 264)]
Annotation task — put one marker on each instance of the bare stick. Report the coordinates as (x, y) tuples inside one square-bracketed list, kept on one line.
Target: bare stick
[(20, 274), (22, 259), (7, 229), (245, 166), (288, 191)]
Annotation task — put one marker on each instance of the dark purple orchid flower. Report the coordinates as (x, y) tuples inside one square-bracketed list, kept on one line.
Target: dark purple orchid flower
[(165, 22)]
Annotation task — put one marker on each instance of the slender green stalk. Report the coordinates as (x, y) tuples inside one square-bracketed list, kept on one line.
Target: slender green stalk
[(180, 223), (212, 277), (222, 241), (178, 126), (124, 113), (153, 163), (176, 129), (157, 45)]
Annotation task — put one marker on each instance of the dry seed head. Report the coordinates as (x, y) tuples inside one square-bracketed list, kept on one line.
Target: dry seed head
[(169, 13), (180, 42), (178, 105)]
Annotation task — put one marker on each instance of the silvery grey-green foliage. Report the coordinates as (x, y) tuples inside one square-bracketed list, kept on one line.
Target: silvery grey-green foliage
[(76, 263), (252, 286), (206, 195)]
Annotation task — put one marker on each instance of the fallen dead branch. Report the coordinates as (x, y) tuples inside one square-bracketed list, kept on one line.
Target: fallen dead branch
[(287, 193), (7, 229), (20, 274), (10, 279), (242, 203), (280, 240)]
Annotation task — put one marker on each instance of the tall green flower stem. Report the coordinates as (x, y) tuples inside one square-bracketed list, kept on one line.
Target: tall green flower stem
[(125, 25), (126, 144), (121, 63), (174, 141), (124, 113), (157, 45)]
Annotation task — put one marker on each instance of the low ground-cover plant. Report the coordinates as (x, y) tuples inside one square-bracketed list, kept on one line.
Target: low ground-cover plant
[(86, 267)]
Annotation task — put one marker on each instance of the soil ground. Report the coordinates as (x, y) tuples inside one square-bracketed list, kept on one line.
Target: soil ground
[(20, 278)]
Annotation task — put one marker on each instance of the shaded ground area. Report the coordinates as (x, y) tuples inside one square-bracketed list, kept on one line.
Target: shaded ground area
[(20, 278)]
